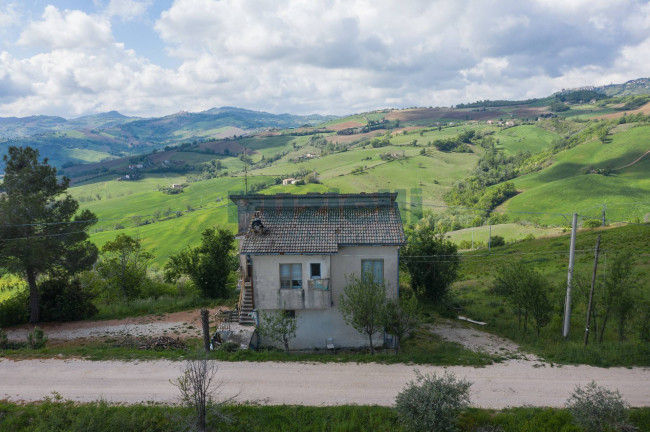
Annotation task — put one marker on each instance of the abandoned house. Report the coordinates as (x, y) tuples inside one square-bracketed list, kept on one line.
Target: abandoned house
[(296, 251)]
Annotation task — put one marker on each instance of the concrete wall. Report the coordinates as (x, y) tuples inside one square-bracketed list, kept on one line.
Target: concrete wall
[(315, 325)]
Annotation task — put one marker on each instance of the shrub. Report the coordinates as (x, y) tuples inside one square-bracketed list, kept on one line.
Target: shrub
[(63, 300), (596, 408), (15, 310), (497, 241), (592, 223), (4, 340), (37, 339), (432, 403)]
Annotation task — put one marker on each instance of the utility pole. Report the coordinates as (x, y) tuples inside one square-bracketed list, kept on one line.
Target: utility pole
[(489, 235), (245, 172), (591, 291), (604, 209), (567, 301)]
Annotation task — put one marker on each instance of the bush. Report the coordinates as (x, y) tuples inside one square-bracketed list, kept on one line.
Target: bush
[(4, 340), (596, 408), (15, 310), (592, 223), (432, 403), (497, 241), (63, 300), (37, 339)]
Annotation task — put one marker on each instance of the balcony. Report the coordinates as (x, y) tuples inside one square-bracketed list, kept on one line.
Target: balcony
[(317, 295)]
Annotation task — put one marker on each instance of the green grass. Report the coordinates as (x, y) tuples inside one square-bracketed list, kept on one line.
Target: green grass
[(563, 188), (511, 232), (55, 415), (524, 138)]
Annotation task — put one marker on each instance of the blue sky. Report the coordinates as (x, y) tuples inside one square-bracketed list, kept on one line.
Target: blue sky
[(150, 57)]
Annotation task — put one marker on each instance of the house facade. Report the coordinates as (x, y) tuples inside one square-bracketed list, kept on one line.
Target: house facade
[(297, 250)]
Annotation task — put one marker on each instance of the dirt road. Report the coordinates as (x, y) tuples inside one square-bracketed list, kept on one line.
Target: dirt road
[(513, 383)]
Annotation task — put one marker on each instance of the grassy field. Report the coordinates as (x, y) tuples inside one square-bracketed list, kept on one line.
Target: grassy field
[(511, 232), (563, 188), (560, 188), (524, 138)]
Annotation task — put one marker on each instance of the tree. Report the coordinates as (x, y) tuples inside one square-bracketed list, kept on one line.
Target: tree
[(280, 327), (198, 389), (526, 290), (40, 231), (617, 299), (432, 260), (363, 305), (124, 265), (207, 265), (402, 317)]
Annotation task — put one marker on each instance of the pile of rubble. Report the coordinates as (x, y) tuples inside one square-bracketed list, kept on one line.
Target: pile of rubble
[(150, 343)]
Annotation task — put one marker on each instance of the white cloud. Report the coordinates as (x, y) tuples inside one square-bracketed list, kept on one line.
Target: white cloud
[(127, 9), (70, 29), (330, 56)]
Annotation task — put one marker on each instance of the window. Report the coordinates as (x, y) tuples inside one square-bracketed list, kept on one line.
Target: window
[(290, 276), (374, 269), (315, 270)]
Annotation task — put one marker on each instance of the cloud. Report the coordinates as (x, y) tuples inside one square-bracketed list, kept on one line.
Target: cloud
[(329, 56), (70, 29), (127, 9)]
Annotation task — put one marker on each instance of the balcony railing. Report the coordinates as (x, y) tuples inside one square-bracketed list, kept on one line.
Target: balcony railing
[(319, 284)]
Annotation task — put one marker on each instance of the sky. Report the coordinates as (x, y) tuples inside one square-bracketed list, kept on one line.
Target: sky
[(157, 57)]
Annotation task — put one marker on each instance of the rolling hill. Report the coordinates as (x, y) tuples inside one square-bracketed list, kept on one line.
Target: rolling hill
[(557, 162)]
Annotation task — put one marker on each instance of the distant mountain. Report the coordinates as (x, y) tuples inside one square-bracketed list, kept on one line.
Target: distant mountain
[(108, 135), (11, 127)]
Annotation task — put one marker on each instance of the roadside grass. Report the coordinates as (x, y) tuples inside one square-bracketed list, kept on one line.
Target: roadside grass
[(56, 414), (422, 348), (549, 256)]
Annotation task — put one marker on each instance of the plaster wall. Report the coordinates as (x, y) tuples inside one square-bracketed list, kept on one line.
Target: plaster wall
[(315, 325)]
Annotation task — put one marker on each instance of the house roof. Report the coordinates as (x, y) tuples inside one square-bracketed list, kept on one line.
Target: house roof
[(318, 223)]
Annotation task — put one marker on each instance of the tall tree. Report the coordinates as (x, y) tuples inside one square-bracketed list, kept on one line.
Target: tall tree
[(124, 265), (432, 260), (39, 229), (207, 265)]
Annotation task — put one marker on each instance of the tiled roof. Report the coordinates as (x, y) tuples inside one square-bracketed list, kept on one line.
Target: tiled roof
[(315, 230)]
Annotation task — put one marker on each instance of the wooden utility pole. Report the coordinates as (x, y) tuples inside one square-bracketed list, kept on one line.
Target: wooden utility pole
[(205, 322), (591, 291), (567, 300), (245, 172)]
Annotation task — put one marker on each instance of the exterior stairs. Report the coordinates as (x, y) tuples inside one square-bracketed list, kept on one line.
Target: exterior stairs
[(246, 305)]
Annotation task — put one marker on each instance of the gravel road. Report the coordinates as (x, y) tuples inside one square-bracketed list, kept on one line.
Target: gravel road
[(512, 383)]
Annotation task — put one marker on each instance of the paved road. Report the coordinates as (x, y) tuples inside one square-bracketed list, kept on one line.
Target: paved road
[(513, 383)]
